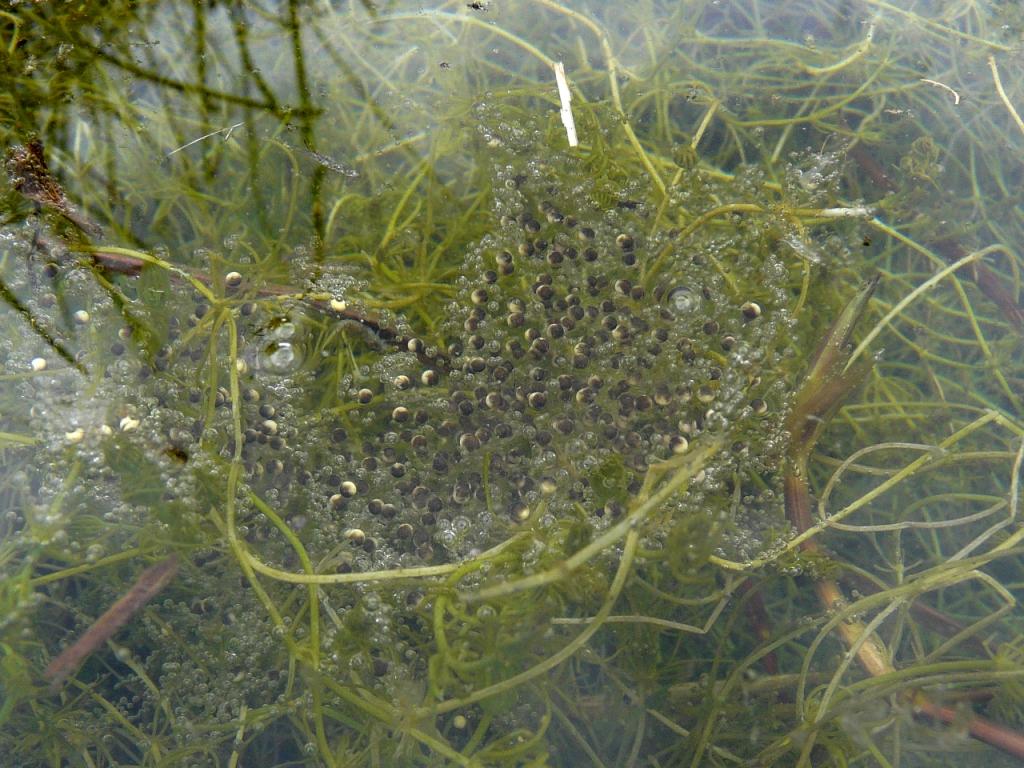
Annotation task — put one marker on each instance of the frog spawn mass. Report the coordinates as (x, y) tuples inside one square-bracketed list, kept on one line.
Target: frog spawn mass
[(581, 343), (570, 365)]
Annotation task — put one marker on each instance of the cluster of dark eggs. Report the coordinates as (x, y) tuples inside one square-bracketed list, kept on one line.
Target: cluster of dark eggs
[(569, 367)]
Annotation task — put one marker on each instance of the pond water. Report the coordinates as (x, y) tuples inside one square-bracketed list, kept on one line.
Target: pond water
[(371, 395)]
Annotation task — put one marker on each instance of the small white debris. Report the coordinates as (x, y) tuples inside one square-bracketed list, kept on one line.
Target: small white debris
[(76, 436), (226, 131), (127, 424), (943, 86), (38, 364), (853, 212), (565, 97)]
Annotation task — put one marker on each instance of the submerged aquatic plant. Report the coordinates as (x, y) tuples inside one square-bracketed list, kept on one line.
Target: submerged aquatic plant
[(478, 449)]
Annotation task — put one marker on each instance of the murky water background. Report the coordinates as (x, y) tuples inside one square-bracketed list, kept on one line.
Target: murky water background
[(451, 443)]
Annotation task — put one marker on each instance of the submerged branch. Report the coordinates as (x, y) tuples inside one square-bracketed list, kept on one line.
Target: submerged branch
[(149, 584), (830, 380)]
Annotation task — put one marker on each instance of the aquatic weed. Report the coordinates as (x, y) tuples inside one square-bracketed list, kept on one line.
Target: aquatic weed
[(578, 602)]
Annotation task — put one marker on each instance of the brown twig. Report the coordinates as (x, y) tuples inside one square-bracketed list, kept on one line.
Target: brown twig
[(150, 582), (126, 265), (934, 619), (951, 250), (1010, 742), (824, 388), (30, 175), (757, 615)]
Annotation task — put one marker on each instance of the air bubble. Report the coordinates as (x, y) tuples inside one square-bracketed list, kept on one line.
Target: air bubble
[(280, 358), (682, 300)]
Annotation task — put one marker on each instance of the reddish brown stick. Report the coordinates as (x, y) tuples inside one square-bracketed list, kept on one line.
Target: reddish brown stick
[(988, 281), (30, 175), (1010, 742), (757, 615), (823, 390), (145, 588)]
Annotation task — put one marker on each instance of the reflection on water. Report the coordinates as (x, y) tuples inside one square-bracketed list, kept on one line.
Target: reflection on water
[(474, 448)]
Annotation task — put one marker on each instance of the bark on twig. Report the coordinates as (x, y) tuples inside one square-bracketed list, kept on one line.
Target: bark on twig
[(823, 390), (149, 584)]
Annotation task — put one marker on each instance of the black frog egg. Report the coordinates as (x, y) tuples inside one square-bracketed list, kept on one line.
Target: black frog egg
[(751, 310), (504, 263), (355, 535), (531, 225)]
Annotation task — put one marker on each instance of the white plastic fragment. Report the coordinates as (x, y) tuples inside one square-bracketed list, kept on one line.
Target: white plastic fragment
[(854, 212), (226, 131), (943, 86), (565, 97)]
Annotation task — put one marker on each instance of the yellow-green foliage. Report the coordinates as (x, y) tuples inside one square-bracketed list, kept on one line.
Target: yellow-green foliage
[(471, 443)]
